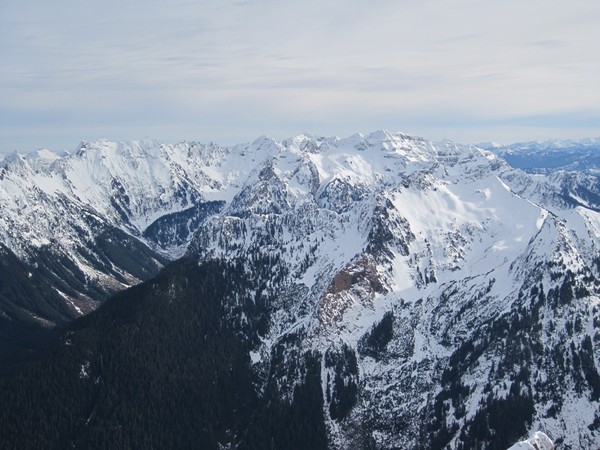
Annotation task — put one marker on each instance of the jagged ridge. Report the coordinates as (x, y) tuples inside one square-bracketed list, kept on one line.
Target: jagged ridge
[(437, 290)]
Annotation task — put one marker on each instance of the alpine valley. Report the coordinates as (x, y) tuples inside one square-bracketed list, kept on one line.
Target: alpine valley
[(372, 292)]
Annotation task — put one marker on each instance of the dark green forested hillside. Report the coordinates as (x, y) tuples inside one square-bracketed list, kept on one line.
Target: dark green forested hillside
[(162, 365), (33, 309)]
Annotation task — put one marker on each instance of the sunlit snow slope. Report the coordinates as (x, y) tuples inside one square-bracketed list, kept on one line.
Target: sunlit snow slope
[(435, 281)]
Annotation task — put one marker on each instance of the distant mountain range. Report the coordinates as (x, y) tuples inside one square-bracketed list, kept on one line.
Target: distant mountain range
[(550, 156), (379, 291)]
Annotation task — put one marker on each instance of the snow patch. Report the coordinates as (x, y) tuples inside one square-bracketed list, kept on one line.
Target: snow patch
[(539, 441)]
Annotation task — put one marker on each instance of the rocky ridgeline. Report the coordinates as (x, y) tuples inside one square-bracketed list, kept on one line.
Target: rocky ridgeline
[(431, 295)]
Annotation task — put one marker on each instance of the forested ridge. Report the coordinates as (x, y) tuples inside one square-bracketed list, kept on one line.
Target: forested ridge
[(159, 366)]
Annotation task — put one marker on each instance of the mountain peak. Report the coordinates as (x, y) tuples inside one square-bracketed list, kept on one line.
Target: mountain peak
[(421, 294)]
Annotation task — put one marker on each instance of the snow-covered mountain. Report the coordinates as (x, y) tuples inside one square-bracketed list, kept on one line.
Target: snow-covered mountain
[(434, 295), (435, 281), (126, 185), (86, 224), (550, 156)]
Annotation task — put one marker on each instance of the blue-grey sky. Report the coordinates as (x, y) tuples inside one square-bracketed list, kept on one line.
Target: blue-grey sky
[(230, 70)]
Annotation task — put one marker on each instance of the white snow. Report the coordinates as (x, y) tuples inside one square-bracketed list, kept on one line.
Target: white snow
[(474, 230), (539, 441)]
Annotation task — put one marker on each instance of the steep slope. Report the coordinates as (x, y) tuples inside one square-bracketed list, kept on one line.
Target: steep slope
[(82, 226), (379, 291), (173, 371), (417, 272), (143, 188), (41, 294)]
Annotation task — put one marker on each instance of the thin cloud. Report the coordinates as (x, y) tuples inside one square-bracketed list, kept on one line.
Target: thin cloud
[(216, 69)]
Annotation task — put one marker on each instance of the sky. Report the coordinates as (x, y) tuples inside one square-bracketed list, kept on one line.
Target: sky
[(228, 71)]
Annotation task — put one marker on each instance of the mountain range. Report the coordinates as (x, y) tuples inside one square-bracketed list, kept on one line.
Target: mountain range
[(378, 291), (550, 156)]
